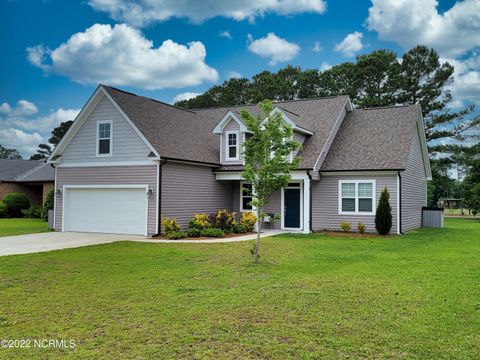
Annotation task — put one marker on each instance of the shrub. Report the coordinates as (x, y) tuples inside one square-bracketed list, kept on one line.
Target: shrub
[(248, 220), (16, 202), (383, 215), (239, 229), (176, 235), (3, 209), (34, 212), (200, 221), (194, 232), (361, 228), (345, 226), (170, 225), (47, 205), (213, 232), (224, 220)]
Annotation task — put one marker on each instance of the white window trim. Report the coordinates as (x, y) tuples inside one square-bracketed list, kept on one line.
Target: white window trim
[(241, 198), (356, 182), (111, 138), (227, 153)]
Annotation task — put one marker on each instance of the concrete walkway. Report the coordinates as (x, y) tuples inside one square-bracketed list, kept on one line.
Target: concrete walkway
[(34, 243)]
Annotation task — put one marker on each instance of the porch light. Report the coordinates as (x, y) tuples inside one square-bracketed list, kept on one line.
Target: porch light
[(149, 192)]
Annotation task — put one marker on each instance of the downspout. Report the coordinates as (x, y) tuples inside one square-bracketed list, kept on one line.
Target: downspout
[(310, 205), (399, 179), (160, 172)]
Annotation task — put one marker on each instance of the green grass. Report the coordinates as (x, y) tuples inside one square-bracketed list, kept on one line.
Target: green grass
[(411, 297), (22, 226)]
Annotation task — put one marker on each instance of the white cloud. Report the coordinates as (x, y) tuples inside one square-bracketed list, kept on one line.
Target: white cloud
[(233, 75), (412, 22), (466, 84), (272, 47), (142, 13), (185, 96), (317, 47), (325, 66), (351, 44), (22, 131), (121, 55), (226, 34)]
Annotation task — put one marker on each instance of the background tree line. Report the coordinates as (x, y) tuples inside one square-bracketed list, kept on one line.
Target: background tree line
[(376, 79)]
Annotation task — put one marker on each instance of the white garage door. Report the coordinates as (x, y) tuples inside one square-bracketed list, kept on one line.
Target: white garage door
[(106, 210)]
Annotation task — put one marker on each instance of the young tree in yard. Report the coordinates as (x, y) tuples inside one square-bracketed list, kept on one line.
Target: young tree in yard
[(383, 216), (267, 158)]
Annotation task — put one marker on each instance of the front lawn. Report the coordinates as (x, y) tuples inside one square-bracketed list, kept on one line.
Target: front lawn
[(22, 226), (316, 296)]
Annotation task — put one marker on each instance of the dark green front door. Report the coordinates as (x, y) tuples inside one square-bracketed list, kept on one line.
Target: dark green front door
[(292, 208)]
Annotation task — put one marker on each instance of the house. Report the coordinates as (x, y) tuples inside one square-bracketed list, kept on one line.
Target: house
[(127, 161), (32, 177)]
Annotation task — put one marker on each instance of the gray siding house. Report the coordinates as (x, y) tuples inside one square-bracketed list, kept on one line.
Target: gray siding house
[(127, 161)]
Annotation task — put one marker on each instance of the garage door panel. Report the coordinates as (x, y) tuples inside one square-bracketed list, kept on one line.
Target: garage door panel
[(119, 210)]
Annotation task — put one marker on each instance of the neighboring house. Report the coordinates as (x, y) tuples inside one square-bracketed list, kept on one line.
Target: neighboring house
[(127, 161), (31, 177)]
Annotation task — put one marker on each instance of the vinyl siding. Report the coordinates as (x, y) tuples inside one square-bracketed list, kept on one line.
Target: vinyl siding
[(109, 175), (414, 188), (127, 144), (191, 189), (325, 202), (232, 126)]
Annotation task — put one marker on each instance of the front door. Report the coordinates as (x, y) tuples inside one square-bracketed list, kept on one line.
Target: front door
[(292, 207)]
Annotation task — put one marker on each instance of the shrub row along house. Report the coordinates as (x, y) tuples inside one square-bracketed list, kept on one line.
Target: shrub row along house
[(127, 161)]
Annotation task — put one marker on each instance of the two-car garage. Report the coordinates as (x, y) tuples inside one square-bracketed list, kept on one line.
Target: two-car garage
[(106, 209)]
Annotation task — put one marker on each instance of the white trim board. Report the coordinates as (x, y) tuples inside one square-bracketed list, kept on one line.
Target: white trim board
[(97, 138), (218, 129), (108, 163), (237, 145)]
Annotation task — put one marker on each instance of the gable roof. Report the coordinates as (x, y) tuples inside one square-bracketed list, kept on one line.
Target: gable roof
[(373, 139), (25, 171)]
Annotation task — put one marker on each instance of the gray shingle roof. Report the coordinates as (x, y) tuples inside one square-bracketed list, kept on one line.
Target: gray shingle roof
[(25, 170), (378, 138)]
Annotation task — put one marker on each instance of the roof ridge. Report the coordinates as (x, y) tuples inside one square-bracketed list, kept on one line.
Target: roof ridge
[(274, 102), (387, 107), (148, 98), (31, 171)]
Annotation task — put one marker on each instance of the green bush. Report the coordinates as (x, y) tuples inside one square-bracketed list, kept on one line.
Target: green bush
[(16, 202), (48, 204), (383, 215), (3, 209), (194, 232), (345, 226), (224, 220), (34, 212), (170, 225), (361, 228), (248, 220), (213, 232), (200, 221), (239, 229), (176, 235)]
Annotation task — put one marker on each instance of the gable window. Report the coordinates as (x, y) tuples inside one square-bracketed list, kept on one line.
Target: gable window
[(245, 197), (232, 145), (356, 197), (104, 138)]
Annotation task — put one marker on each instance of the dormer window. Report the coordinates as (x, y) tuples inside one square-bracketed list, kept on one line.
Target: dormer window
[(104, 138), (232, 145)]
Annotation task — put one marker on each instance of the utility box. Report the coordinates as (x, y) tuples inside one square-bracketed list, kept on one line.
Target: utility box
[(50, 219), (432, 217)]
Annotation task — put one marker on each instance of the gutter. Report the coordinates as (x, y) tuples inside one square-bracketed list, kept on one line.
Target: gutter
[(399, 179), (311, 197)]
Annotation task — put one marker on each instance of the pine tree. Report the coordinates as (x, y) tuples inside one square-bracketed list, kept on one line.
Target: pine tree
[(383, 216)]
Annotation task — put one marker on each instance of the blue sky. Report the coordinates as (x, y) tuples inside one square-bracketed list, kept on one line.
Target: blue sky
[(55, 52)]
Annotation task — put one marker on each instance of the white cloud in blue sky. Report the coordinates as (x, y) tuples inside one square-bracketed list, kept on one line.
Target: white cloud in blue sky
[(274, 48), (351, 45), (121, 55), (142, 13)]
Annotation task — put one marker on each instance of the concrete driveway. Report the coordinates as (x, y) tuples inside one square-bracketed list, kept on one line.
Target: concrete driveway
[(33, 243)]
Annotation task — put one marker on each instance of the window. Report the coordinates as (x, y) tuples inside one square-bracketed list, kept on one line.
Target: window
[(104, 138), (245, 196), (232, 145), (356, 197)]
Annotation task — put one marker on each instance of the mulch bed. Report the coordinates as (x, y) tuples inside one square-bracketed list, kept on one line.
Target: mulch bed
[(351, 234), (161, 237)]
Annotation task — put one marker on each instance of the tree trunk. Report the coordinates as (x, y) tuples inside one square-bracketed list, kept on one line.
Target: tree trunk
[(257, 242)]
